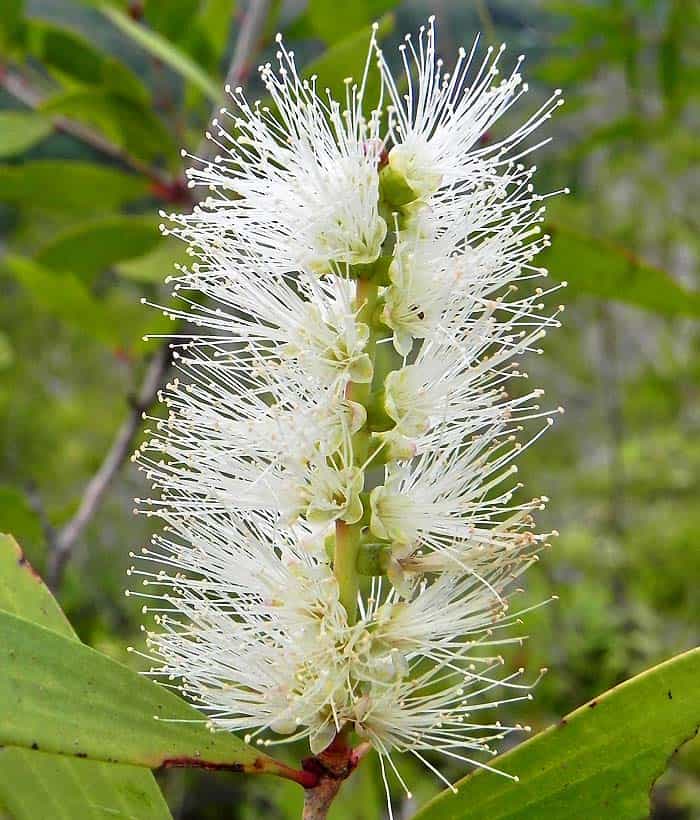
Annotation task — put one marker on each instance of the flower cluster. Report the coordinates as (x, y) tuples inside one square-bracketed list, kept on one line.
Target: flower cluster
[(335, 470)]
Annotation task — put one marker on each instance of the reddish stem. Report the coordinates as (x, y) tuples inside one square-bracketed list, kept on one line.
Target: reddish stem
[(332, 766)]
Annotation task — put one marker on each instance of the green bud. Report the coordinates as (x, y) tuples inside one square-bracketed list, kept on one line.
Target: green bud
[(373, 557), (394, 188)]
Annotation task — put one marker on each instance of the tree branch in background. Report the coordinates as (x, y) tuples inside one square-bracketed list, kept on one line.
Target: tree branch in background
[(247, 45), (23, 91), (36, 503), (61, 544), (486, 20), (248, 42), (65, 540)]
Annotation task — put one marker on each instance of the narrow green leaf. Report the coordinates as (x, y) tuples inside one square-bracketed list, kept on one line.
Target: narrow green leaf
[(69, 699), (670, 55), (600, 761), (164, 50), (20, 130), (347, 58), (92, 247), (11, 23), (154, 266), (129, 123), (601, 268), (69, 185), (172, 20), (215, 18), (33, 784), (332, 21), (117, 79), (62, 49), (73, 58)]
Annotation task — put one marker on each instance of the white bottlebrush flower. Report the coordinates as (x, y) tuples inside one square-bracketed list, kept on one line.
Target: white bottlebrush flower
[(336, 464)]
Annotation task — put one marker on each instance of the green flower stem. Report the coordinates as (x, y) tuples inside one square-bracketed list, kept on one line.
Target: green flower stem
[(347, 536), (347, 544), (394, 194)]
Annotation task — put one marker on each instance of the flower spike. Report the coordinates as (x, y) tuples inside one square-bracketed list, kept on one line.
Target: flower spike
[(343, 524)]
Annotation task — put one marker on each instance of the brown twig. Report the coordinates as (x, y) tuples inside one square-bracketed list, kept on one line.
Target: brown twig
[(247, 44), (36, 503), (21, 90), (332, 766), (486, 20), (248, 41), (123, 443)]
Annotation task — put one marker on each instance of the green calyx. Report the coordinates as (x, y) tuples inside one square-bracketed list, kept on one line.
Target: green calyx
[(395, 190), (373, 556)]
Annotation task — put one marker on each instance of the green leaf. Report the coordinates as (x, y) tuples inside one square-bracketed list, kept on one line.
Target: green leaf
[(90, 248), (20, 130), (332, 21), (215, 18), (172, 20), (67, 299), (62, 49), (601, 268), (7, 354), (153, 267), (33, 784), (69, 699), (11, 23), (670, 55), (347, 58), (129, 123), (23, 593), (164, 50), (74, 59), (600, 761), (69, 185)]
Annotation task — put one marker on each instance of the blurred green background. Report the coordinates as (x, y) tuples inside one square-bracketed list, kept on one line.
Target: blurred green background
[(96, 101)]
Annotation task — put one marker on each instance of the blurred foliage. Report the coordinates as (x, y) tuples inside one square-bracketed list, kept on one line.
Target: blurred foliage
[(99, 98)]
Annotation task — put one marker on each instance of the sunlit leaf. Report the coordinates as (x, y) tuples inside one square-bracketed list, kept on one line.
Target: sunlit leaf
[(20, 130), (600, 761), (33, 784), (69, 699), (64, 50)]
